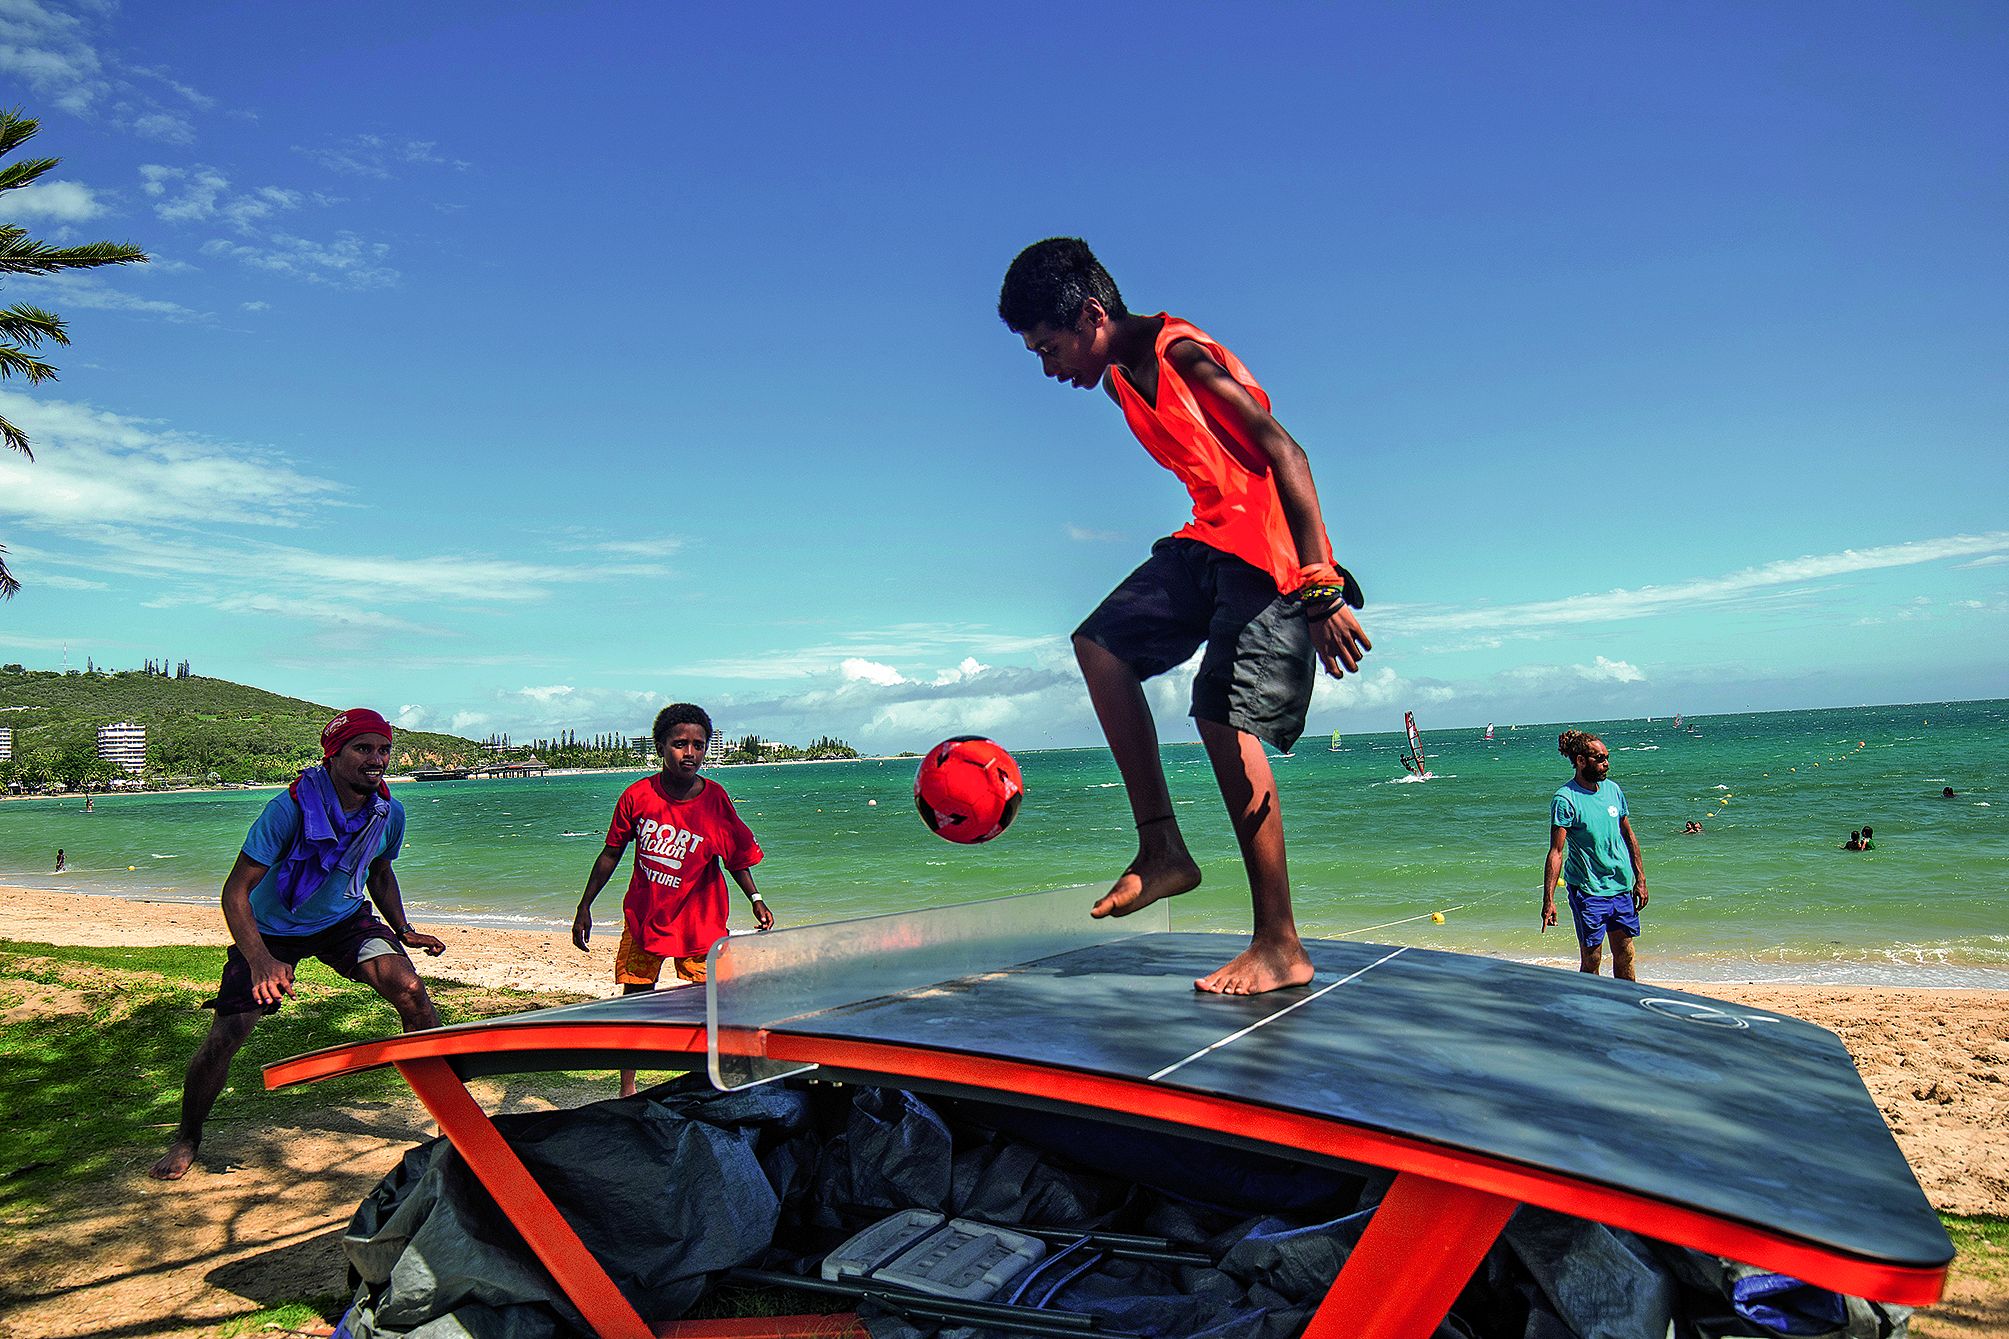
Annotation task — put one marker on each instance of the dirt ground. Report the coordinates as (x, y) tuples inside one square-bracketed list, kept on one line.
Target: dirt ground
[(258, 1220)]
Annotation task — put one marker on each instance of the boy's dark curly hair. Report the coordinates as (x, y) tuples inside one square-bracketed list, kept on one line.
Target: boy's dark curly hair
[(1050, 280), (680, 713)]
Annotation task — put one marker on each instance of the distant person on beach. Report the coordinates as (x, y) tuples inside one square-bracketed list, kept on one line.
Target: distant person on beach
[(1854, 843), (298, 890), (685, 831), (1869, 838), (1251, 577), (1692, 828), (1593, 851), (89, 801), (62, 861)]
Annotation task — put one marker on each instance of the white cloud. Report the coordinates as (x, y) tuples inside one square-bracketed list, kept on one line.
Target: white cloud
[(299, 606), (347, 260), (856, 670), (61, 201), (1992, 560), (164, 128), (245, 210), (183, 194), (464, 721), (98, 292), (924, 643), (968, 669), (1082, 534), (47, 51), (1600, 670), (55, 581), (639, 548), (547, 694), (133, 470), (411, 716), (1749, 584), (194, 97), (379, 156)]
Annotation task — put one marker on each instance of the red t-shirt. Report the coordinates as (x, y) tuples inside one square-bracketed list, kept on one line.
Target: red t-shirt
[(676, 903), (1236, 508)]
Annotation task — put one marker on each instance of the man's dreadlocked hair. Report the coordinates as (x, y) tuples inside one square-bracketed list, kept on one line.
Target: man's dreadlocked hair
[(1573, 743)]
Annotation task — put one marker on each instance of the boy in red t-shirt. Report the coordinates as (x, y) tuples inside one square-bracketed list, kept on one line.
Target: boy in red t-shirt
[(1251, 577), (684, 829)]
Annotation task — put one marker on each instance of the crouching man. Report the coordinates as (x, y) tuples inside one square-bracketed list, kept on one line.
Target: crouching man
[(298, 890)]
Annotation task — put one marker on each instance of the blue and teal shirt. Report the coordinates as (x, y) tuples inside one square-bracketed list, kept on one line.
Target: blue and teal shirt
[(271, 837), (1596, 861)]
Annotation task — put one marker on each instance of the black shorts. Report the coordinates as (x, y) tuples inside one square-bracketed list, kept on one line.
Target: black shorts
[(343, 946), (1258, 672)]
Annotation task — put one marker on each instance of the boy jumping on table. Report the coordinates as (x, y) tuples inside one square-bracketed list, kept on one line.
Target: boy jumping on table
[(1251, 577), (684, 829)]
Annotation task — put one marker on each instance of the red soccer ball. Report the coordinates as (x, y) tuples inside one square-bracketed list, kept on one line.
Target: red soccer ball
[(968, 789)]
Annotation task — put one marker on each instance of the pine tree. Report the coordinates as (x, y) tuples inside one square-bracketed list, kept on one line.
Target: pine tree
[(23, 328)]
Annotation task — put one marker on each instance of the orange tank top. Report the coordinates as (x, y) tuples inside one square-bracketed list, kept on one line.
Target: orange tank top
[(1236, 507)]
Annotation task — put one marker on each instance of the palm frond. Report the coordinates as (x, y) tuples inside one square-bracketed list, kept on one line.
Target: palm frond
[(15, 438), (15, 363), (21, 254), (25, 171), (15, 129), (29, 326), (9, 587)]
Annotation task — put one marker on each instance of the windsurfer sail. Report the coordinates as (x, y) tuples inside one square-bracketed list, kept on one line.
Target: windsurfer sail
[(1489, 731), (1334, 747), (1412, 760)]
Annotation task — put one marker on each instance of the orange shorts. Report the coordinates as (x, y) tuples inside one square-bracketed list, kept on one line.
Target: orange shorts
[(635, 967)]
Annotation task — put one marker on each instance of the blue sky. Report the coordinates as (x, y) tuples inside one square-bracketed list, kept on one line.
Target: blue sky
[(517, 367)]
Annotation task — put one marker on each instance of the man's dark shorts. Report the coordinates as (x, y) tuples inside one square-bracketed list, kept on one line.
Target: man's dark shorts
[(1258, 672), (344, 946)]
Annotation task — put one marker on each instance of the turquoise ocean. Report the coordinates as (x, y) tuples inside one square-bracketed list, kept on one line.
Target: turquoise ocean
[(1764, 893)]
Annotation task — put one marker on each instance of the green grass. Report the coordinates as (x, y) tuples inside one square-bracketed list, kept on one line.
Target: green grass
[(1981, 1243), (91, 1061), (326, 1308), (1980, 1232)]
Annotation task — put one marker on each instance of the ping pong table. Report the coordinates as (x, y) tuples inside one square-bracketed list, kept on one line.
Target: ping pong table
[(1482, 1084)]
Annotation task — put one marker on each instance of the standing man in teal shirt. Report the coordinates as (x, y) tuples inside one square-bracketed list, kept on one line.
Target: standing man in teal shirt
[(1593, 851)]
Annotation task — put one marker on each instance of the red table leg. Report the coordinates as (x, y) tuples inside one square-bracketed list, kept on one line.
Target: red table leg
[(1418, 1252), (476, 1139)]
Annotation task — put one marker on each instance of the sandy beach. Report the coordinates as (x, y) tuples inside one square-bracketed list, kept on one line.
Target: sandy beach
[(1932, 1059)]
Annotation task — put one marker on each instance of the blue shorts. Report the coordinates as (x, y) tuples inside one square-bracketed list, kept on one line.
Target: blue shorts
[(1595, 915)]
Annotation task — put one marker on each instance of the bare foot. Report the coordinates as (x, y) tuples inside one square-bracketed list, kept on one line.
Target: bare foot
[(1146, 881), (174, 1163), (1260, 967)]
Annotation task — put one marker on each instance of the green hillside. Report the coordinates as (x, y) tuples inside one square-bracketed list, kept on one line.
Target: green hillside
[(196, 726)]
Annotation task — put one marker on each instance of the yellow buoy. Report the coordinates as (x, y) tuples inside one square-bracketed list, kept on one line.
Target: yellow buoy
[(1437, 917), (132, 866)]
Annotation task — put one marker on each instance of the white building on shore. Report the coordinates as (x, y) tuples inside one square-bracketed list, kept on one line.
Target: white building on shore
[(124, 744), (6, 742)]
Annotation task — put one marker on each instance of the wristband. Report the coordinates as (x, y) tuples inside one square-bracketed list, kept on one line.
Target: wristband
[(755, 897), (1325, 586)]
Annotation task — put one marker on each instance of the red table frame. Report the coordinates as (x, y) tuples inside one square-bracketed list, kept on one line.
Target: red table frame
[(1437, 1221)]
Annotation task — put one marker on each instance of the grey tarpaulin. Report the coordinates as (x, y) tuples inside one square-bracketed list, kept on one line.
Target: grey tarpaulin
[(674, 1186)]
